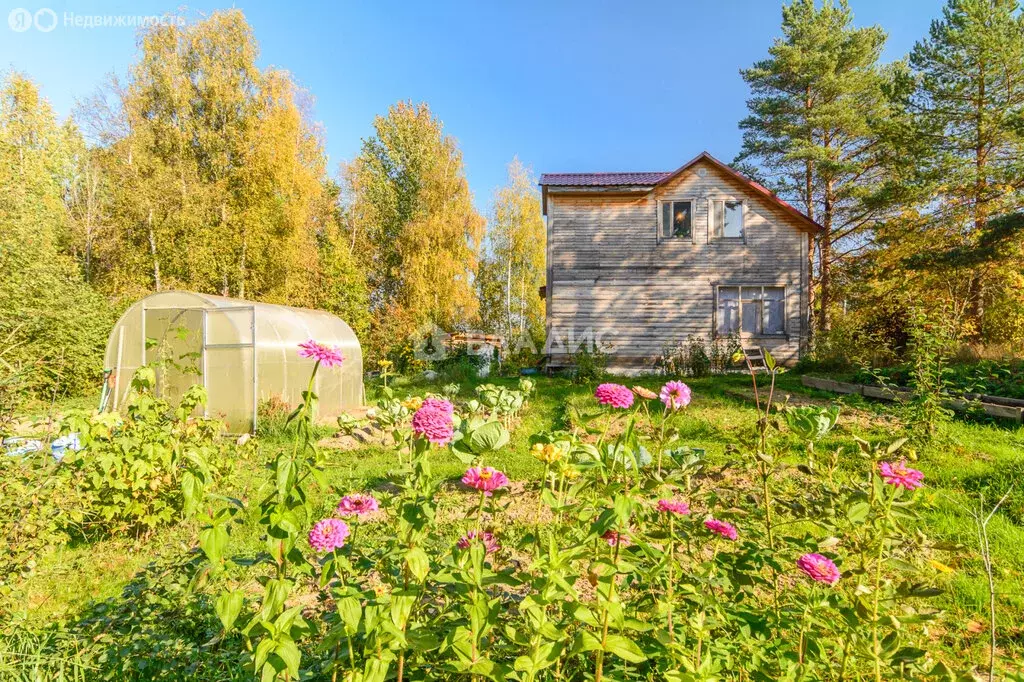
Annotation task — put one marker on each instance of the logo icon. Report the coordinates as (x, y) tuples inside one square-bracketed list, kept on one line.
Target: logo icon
[(20, 19), (46, 20)]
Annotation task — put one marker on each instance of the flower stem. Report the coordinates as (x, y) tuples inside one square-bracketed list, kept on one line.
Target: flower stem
[(875, 646), (599, 666), (543, 486), (671, 576)]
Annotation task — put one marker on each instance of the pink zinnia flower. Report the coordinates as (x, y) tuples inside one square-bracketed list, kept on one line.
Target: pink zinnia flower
[(490, 542), (677, 507), (486, 479), (357, 504), (819, 568), (440, 404), (328, 535), (726, 530), (433, 423), (675, 394), (898, 474), (328, 356), (615, 395), (614, 537)]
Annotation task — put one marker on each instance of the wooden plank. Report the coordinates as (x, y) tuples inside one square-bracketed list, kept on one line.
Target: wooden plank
[(999, 411), (1014, 413), (995, 399), (886, 393)]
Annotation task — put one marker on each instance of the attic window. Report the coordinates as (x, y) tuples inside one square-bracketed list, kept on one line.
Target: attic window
[(676, 219), (728, 219)]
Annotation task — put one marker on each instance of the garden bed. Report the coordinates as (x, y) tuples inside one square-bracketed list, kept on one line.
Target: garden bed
[(993, 406)]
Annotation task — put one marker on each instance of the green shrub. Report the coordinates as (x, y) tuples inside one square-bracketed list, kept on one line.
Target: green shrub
[(589, 366), (698, 356), (145, 468), (32, 516), (460, 366)]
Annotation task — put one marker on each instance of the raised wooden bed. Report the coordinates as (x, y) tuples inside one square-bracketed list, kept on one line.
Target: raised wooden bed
[(994, 406)]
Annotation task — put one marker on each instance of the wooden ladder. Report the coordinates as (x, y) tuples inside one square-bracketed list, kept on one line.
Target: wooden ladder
[(754, 357)]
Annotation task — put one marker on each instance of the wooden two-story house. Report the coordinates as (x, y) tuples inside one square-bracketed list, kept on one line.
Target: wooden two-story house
[(641, 261)]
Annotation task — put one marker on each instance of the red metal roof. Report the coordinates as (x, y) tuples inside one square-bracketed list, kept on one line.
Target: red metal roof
[(653, 179), (602, 179)]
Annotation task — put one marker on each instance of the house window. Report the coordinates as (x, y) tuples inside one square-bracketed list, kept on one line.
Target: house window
[(728, 219), (751, 310), (676, 219)]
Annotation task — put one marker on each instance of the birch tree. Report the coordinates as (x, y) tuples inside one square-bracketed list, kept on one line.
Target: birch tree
[(509, 286)]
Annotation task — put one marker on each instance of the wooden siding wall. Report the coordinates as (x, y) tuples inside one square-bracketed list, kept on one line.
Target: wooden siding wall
[(609, 275)]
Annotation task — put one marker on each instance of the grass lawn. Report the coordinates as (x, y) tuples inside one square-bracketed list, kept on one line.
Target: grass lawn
[(966, 462)]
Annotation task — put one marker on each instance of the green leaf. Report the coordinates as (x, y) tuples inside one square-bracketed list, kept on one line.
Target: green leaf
[(401, 607), (192, 493), (585, 615), (285, 475), (228, 606), (213, 540), (418, 562), (290, 654), (263, 650), (585, 641), (858, 512), (624, 648), (623, 510), (490, 437), (351, 613)]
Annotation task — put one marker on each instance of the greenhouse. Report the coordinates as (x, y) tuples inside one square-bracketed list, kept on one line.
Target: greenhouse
[(244, 354)]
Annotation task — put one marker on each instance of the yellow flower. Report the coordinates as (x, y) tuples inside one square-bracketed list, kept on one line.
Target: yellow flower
[(548, 453), (413, 402), (938, 566)]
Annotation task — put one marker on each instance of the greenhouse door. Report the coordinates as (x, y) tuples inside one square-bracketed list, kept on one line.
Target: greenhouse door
[(228, 366), (172, 346)]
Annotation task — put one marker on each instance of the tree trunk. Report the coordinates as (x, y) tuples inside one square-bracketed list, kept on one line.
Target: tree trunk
[(809, 210), (522, 303), (152, 251), (976, 291), (825, 266), (508, 295), (809, 311)]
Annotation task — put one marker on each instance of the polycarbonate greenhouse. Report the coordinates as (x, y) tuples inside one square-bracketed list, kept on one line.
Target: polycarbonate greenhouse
[(242, 352)]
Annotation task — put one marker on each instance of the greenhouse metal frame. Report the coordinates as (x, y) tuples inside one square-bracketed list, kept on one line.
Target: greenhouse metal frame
[(242, 352)]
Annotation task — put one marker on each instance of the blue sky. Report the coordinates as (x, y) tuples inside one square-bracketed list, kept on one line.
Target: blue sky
[(566, 86)]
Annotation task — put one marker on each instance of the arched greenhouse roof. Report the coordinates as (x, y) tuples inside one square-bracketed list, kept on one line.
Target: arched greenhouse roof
[(243, 352)]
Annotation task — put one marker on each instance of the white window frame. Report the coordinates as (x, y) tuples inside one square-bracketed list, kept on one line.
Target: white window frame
[(747, 335), (693, 220), (713, 219)]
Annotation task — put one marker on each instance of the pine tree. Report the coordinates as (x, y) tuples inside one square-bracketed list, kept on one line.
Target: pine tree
[(814, 134), (970, 113)]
